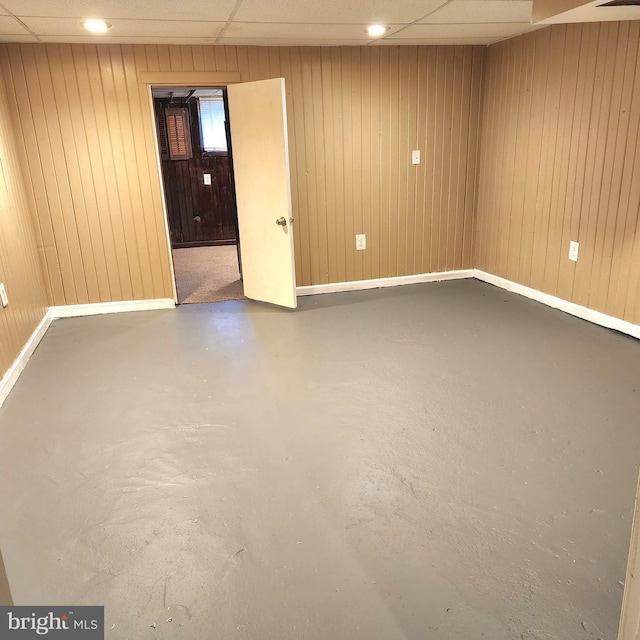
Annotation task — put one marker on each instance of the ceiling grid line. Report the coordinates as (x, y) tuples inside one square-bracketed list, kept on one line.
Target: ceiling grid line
[(290, 22), (232, 15), (20, 22)]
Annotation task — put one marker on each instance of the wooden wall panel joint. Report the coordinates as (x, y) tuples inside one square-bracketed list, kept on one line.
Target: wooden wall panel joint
[(189, 78)]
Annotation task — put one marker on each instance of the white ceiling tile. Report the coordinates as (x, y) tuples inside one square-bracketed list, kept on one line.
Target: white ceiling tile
[(289, 42), (297, 32), (126, 40), (16, 38), (462, 31), (125, 28), (260, 22), (592, 12), (433, 41), (336, 11), (478, 11), (218, 11), (10, 26)]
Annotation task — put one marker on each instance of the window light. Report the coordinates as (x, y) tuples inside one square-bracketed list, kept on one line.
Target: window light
[(214, 136)]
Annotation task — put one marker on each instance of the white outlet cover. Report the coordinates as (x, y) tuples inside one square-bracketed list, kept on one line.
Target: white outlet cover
[(207, 178), (573, 250), (3, 295), (361, 242), (415, 156)]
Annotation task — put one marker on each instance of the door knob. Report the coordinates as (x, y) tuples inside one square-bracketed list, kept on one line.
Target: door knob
[(282, 222)]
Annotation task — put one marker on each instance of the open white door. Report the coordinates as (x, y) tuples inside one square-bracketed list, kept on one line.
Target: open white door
[(258, 123)]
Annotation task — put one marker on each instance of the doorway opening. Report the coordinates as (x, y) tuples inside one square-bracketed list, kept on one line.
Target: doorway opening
[(197, 173)]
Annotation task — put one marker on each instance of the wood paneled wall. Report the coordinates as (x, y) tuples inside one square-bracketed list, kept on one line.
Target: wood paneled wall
[(20, 268), (87, 148), (354, 116), (560, 161), (198, 214)]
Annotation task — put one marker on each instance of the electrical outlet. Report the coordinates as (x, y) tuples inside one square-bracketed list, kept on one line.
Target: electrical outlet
[(415, 156), (361, 242), (573, 250), (207, 178), (3, 295)]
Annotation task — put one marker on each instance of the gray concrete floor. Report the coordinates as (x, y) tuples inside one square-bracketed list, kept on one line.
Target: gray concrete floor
[(431, 461)]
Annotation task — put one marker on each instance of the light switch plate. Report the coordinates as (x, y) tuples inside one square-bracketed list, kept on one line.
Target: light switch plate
[(207, 178), (415, 156), (3, 295), (573, 250)]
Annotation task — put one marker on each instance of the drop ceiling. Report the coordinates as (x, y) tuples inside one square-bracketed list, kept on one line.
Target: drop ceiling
[(267, 22)]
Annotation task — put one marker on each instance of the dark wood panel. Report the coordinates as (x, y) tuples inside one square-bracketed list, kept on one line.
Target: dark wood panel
[(198, 214)]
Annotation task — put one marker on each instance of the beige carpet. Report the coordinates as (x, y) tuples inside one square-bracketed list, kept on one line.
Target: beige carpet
[(207, 274)]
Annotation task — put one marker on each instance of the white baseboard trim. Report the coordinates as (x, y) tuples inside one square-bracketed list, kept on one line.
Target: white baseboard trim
[(69, 311), (597, 317), (94, 309), (14, 371), (377, 283), (11, 376)]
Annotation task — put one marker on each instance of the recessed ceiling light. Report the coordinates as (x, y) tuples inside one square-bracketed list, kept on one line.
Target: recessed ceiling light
[(96, 26), (376, 30)]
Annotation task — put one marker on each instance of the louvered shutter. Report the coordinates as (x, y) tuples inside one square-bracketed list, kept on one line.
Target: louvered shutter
[(178, 133)]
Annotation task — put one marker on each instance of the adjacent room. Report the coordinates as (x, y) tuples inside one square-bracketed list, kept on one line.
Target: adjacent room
[(199, 194), (313, 330)]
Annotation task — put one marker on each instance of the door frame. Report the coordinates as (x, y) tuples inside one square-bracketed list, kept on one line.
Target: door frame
[(195, 79), (630, 612)]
